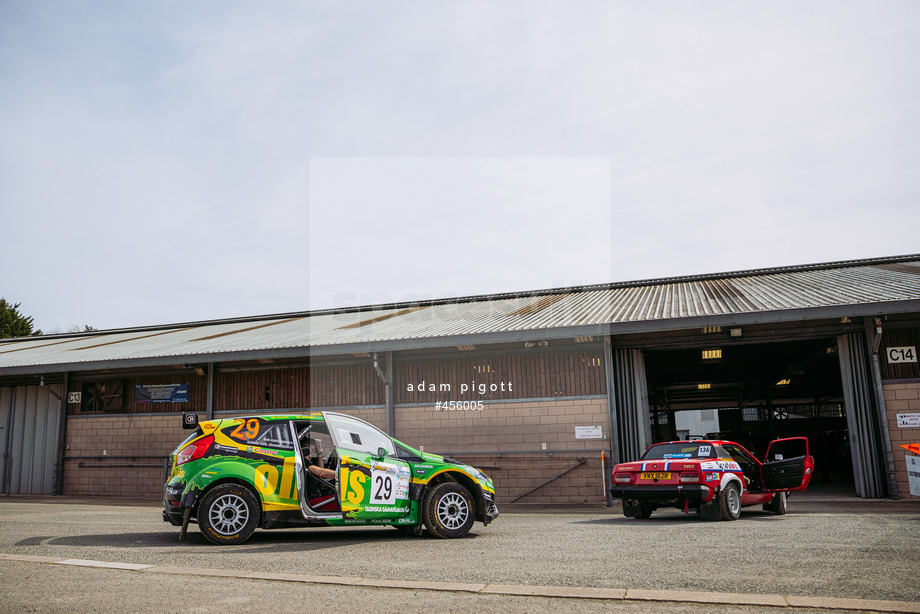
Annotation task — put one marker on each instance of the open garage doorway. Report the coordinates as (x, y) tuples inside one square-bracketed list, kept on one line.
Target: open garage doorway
[(753, 394)]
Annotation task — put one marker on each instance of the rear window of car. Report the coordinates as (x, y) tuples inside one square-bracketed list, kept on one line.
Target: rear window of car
[(669, 451), (258, 431), (276, 436)]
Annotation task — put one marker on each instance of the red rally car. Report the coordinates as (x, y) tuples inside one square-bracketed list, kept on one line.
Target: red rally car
[(715, 477)]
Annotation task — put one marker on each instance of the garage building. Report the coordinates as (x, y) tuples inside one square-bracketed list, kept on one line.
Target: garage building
[(543, 390)]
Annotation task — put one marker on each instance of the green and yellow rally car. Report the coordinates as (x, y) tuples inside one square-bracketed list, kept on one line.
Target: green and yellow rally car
[(324, 468)]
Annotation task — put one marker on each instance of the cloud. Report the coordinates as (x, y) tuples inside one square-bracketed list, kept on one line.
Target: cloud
[(266, 158)]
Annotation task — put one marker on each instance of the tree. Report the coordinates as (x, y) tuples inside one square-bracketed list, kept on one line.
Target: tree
[(13, 323), (86, 328)]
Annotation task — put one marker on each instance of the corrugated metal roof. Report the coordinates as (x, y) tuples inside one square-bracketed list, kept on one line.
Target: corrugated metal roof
[(805, 292)]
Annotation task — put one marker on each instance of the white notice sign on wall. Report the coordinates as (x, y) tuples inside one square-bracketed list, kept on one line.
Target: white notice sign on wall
[(913, 473), (907, 421), (589, 432)]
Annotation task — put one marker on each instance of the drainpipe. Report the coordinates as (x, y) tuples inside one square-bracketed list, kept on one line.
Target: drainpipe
[(391, 397), (8, 454), (57, 486), (387, 379), (611, 403), (209, 403), (880, 406)]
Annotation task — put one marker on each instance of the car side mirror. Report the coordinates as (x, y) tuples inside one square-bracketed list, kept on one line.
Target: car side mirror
[(381, 452), (189, 421)]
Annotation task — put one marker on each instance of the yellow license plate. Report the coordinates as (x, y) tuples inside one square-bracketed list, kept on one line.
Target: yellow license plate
[(655, 475)]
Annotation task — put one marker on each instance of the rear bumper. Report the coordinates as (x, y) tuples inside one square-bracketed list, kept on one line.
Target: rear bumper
[(693, 492), (175, 502), (172, 517)]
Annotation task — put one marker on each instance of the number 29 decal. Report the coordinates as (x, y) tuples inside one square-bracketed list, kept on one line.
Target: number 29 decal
[(382, 488), (251, 427)]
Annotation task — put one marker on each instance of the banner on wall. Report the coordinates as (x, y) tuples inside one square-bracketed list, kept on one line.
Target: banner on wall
[(161, 393)]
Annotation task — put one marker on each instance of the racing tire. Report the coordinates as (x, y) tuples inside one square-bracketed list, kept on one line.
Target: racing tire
[(777, 504), (448, 510), (228, 514), (730, 502)]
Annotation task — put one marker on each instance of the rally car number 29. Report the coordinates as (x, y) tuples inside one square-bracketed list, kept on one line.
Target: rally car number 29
[(320, 469)]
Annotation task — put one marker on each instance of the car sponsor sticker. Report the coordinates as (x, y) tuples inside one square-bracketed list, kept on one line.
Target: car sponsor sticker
[(377, 508), (258, 450), (721, 465)]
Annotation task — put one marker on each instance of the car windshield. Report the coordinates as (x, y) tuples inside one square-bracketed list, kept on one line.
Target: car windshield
[(684, 449)]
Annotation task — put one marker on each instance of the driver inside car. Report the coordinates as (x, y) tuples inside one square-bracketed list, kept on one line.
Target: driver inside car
[(313, 455), (313, 462)]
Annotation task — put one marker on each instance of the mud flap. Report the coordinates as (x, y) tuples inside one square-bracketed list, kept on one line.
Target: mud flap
[(631, 510), (710, 511), (185, 518)]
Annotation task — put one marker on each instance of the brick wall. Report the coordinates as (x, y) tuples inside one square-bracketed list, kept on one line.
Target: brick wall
[(902, 398), (119, 436), (518, 430), (141, 435)]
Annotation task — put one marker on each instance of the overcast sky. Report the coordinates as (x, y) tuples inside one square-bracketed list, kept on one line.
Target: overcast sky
[(175, 161)]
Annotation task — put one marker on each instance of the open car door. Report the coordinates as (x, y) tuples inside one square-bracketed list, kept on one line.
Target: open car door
[(787, 465), (373, 483)]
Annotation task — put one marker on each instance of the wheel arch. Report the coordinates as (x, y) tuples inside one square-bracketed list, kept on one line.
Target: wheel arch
[(730, 478), (468, 482)]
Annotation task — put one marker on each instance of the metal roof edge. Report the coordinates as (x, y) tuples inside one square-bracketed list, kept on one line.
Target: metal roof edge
[(617, 328), (487, 297)]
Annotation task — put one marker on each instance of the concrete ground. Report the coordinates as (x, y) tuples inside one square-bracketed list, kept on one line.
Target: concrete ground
[(829, 553)]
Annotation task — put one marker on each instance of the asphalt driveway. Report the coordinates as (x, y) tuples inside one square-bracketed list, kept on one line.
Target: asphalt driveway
[(832, 548)]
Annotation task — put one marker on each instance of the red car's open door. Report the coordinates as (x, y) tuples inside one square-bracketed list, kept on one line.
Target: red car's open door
[(787, 465)]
